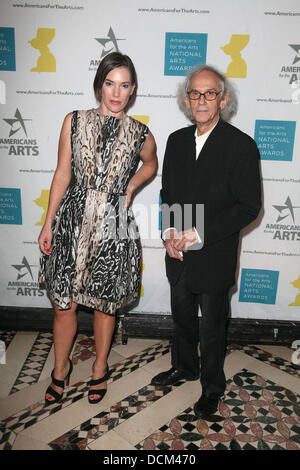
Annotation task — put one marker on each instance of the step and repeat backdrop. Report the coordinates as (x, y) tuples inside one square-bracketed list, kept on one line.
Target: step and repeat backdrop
[(49, 53)]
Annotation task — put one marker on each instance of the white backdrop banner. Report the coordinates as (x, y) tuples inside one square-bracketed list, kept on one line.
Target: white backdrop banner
[(49, 53)]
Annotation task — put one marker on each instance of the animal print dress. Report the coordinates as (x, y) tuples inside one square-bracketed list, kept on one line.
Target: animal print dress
[(96, 252)]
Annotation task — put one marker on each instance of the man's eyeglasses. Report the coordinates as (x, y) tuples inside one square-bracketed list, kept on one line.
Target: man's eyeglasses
[(209, 95)]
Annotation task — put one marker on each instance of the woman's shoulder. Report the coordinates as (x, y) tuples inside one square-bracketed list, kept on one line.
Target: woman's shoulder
[(84, 112), (140, 129), (140, 124), (83, 117)]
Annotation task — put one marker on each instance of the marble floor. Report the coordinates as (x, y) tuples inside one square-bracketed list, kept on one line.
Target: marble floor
[(260, 409)]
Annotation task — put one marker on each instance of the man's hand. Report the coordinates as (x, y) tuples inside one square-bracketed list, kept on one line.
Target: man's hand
[(185, 239), (171, 237)]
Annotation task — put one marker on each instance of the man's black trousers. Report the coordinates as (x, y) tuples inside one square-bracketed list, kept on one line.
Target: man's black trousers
[(214, 310)]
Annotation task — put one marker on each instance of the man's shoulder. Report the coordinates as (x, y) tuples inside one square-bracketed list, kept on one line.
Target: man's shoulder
[(232, 132), (182, 133)]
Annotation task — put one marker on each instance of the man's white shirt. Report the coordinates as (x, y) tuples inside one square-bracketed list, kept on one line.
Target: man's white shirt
[(200, 141)]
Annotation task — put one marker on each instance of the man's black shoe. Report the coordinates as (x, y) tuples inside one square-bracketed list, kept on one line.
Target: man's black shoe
[(170, 377), (206, 406)]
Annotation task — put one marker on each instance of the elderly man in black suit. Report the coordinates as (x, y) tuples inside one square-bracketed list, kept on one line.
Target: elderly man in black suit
[(214, 165)]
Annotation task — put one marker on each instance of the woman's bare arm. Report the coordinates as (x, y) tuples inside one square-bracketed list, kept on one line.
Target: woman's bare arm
[(146, 171), (60, 183)]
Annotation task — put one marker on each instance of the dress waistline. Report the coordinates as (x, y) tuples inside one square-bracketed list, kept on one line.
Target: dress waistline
[(98, 190)]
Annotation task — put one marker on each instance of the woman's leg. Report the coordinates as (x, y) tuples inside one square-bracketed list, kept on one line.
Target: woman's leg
[(104, 326), (64, 330)]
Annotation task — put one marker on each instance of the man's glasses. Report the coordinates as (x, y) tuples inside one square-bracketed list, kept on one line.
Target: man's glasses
[(209, 95)]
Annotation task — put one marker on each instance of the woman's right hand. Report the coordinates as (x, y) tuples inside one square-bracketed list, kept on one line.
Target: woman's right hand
[(45, 240)]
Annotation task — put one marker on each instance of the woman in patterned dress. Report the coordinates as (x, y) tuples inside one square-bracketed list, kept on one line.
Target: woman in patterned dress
[(91, 251)]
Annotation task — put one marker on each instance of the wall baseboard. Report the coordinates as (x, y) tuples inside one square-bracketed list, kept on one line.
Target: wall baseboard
[(148, 325), (240, 330)]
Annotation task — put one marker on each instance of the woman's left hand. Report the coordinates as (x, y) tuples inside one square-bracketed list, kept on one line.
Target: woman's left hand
[(129, 192)]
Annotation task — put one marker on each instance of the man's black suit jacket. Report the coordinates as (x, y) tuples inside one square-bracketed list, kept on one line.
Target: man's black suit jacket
[(226, 179)]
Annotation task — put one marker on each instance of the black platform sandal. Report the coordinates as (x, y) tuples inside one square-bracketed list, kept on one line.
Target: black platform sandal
[(100, 392), (59, 383)]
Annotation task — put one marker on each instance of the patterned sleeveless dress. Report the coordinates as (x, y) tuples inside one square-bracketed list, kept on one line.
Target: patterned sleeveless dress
[(96, 251)]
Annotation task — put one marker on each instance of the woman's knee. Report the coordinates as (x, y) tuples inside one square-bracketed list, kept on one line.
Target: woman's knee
[(104, 316), (63, 314)]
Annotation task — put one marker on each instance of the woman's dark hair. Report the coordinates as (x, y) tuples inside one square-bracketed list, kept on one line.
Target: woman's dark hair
[(109, 63)]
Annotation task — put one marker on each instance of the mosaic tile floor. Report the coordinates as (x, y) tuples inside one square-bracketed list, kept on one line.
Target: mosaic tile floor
[(7, 336), (254, 414), (260, 409)]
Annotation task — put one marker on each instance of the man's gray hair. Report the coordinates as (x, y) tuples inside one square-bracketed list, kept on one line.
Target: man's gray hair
[(227, 87)]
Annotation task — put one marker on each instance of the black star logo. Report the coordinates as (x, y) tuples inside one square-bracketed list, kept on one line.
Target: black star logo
[(296, 48), (17, 119), (111, 38), (20, 268), (287, 207)]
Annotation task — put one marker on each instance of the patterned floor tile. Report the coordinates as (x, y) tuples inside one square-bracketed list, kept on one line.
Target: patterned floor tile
[(85, 347), (278, 362), (30, 373), (7, 439), (34, 363), (255, 414), (7, 337), (83, 435), (39, 411)]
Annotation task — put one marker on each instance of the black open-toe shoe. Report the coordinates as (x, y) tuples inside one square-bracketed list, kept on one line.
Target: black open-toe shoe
[(59, 383), (100, 392)]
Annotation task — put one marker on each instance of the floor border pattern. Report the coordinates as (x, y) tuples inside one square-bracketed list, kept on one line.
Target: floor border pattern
[(265, 356), (34, 363), (16, 423)]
